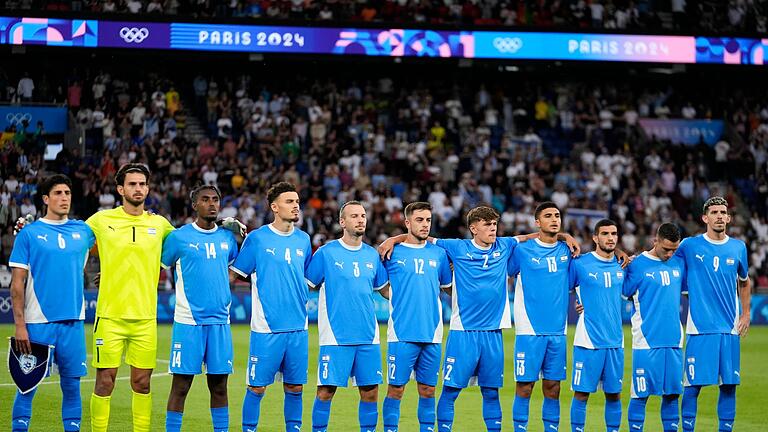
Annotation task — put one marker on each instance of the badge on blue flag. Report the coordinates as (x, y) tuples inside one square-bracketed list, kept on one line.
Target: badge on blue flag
[(28, 370)]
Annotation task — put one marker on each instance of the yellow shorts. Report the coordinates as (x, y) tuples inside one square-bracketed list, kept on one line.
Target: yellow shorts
[(112, 337)]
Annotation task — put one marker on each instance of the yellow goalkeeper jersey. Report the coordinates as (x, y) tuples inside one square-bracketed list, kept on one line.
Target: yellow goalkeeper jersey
[(129, 250)]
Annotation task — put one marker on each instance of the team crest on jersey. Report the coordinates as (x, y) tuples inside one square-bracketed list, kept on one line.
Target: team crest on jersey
[(450, 360), (326, 357), (254, 359), (99, 342), (579, 365), (640, 371), (730, 261), (691, 359), (496, 254), (676, 273), (369, 265), (619, 275), (432, 263), (224, 246), (177, 345), (521, 355), (564, 258), (151, 231), (76, 236), (299, 252), (391, 358)]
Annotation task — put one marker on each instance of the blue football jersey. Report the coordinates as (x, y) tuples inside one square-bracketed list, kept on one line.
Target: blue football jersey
[(416, 274), (277, 263), (541, 287), (598, 282), (201, 259), (346, 277), (655, 287), (479, 300), (54, 254), (713, 269)]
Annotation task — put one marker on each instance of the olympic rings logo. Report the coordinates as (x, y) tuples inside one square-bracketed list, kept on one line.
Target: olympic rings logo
[(5, 304), (133, 34), (507, 45), (17, 118)]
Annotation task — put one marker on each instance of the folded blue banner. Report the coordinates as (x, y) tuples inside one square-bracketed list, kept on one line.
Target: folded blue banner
[(54, 118), (240, 310)]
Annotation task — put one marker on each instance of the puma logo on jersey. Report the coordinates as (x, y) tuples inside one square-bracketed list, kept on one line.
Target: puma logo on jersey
[(400, 262), (195, 246), (469, 255), (536, 260), (24, 422), (75, 424), (700, 257), (651, 275), (594, 275), (45, 239), (637, 427), (272, 251), (526, 427), (339, 264), (110, 227)]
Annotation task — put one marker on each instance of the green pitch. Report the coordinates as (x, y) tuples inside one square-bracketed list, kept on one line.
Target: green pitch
[(751, 396)]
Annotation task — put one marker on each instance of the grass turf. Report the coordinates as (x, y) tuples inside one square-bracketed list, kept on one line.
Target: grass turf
[(47, 404)]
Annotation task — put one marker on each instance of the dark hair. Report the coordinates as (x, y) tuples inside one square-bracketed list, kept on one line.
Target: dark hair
[(713, 201), (482, 213), (604, 223), (279, 188), (131, 168), (415, 206), (48, 183), (196, 191), (668, 231), (348, 203), (543, 206)]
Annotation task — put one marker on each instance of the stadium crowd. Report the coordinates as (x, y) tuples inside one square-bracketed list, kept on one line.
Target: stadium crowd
[(388, 142), (681, 15)]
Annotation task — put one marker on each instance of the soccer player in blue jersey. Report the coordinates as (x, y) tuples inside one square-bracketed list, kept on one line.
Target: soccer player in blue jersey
[(200, 253), (654, 284), (417, 271), (47, 285), (541, 311), (347, 272), (598, 351), (276, 257), (717, 282)]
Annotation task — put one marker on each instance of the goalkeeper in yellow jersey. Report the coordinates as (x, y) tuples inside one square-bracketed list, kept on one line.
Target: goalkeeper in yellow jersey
[(129, 241)]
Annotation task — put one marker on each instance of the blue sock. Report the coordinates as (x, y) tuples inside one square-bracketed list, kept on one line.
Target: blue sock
[(578, 415), (670, 413), (726, 407), (292, 411), (22, 411), (321, 412), (426, 414), (368, 416), (520, 409), (71, 405), (612, 415), (550, 414), (251, 410), (491, 408), (173, 421), (636, 414), (220, 418), (445, 408), (690, 404), (390, 412)]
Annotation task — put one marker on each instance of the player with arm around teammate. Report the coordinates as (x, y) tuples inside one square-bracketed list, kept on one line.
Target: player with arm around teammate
[(598, 351), (654, 283), (417, 271), (200, 254), (719, 291), (347, 272), (276, 257), (47, 285)]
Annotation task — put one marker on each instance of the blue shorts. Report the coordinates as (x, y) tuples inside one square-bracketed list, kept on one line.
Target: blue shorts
[(474, 358), (68, 337), (278, 357), (538, 357), (422, 360), (338, 363), (657, 371), (595, 368), (193, 346), (712, 359)]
